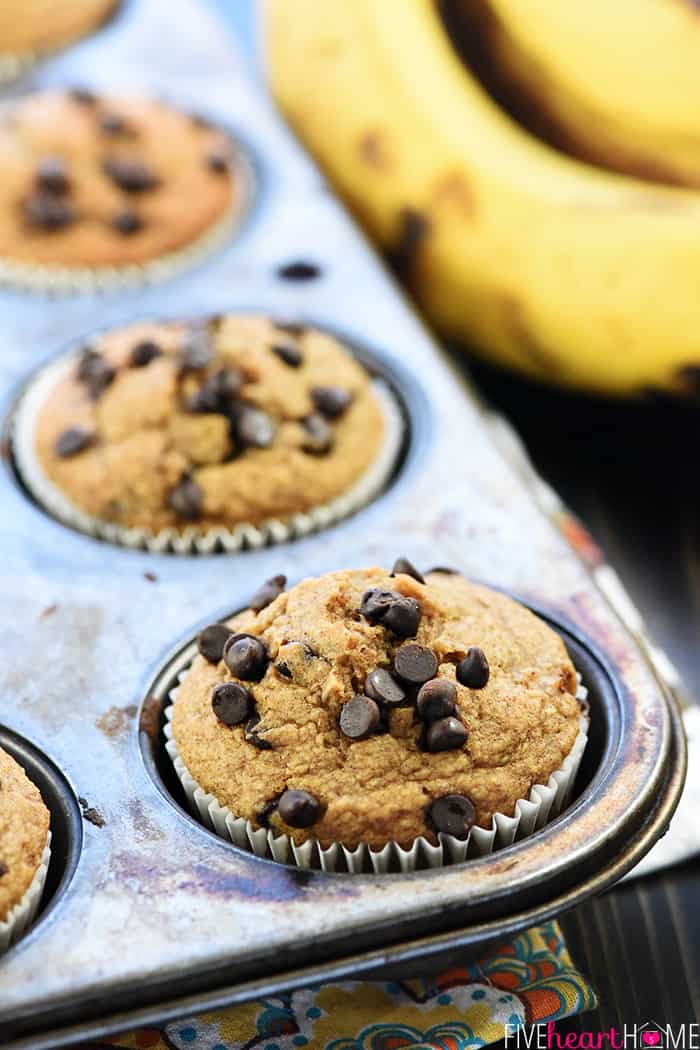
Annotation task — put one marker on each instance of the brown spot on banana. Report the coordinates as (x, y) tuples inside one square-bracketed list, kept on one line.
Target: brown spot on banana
[(374, 150), (414, 228), (688, 377), (453, 190)]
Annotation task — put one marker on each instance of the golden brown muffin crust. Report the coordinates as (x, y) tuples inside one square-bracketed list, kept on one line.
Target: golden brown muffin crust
[(24, 825), (94, 181), (147, 438), (521, 725), (43, 25)]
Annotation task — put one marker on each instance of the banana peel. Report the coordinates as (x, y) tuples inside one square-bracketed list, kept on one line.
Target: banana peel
[(536, 261)]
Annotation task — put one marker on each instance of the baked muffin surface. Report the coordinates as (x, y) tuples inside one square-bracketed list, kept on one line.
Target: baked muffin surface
[(214, 423), (96, 181), (379, 784), (24, 826), (43, 25)]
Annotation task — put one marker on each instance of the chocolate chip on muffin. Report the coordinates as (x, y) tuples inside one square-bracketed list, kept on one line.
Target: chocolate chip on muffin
[(473, 670), (211, 641), (266, 594)]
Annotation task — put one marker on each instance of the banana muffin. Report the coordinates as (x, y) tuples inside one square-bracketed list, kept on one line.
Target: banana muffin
[(40, 26), (367, 707), (24, 827), (210, 423), (94, 181)]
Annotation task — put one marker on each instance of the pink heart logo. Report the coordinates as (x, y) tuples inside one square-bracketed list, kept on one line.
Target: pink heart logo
[(651, 1038)]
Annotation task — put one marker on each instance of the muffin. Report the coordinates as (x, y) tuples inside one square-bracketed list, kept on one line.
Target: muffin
[(204, 426), (35, 27), (94, 182), (368, 707), (24, 837)]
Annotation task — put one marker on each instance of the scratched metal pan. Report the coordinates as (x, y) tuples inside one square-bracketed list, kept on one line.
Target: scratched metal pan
[(147, 915)]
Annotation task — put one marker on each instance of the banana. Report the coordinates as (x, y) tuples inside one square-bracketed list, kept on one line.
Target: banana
[(573, 275), (613, 82)]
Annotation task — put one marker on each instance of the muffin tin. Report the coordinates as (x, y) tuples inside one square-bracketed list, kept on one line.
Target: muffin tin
[(147, 914)]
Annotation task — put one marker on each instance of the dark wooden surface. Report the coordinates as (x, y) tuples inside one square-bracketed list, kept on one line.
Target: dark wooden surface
[(627, 470)]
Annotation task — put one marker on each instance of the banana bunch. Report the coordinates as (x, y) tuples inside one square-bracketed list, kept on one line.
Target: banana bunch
[(573, 274)]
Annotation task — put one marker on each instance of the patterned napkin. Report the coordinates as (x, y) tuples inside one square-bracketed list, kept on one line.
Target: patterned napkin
[(531, 980)]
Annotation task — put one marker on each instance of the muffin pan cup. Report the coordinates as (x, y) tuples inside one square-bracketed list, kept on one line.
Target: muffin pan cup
[(543, 803), (148, 915), (193, 539)]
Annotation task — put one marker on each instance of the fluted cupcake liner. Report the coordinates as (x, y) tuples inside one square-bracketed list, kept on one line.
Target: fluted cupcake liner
[(544, 802), (88, 280), (193, 539), (24, 912)]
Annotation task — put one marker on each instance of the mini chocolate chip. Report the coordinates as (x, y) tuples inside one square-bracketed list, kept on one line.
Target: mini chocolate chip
[(127, 221), (253, 737), (131, 176), (82, 96), (291, 355), (359, 717), (52, 176), (95, 372), (444, 570), (72, 441), (89, 360), (415, 664), (211, 641), (282, 668), (447, 734), (437, 699), (217, 393), (231, 703), (473, 670), (266, 594), (318, 436), (392, 610), (48, 212), (452, 814), (113, 124), (299, 271), (294, 328), (3, 869), (263, 815), (143, 353), (253, 427), (186, 500), (298, 809), (218, 162), (403, 565), (200, 121), (382, 687), (246, 657), (331, 401), (196, 350)]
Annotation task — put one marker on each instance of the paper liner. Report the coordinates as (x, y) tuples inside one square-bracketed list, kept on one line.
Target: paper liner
[(24, 912), (544, 802), (192, 539)]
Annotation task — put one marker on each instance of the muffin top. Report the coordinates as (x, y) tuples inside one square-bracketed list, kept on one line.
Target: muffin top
[(94, 181), (365, 706), (212, 423), (42, 25), (24, 825)]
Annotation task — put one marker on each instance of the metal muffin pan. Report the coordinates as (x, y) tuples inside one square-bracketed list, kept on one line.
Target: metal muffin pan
[(152, 917)]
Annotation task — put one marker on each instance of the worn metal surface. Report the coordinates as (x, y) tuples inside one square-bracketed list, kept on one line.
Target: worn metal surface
[(157, 909)]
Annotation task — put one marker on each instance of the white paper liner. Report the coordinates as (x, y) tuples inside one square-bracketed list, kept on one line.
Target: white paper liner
[(24, 912), (544, 802), (194, 539)]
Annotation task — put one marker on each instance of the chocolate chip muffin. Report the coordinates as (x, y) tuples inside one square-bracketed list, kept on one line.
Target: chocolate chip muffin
[(206, 425), (367, 707), (39, 26), (24, 827), (93, 181)]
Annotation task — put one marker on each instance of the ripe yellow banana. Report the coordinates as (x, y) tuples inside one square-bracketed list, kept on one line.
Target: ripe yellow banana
[(569, 273), (615, 82)]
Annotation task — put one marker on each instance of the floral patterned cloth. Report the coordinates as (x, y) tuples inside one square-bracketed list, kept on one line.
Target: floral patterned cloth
[(533, 979)]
